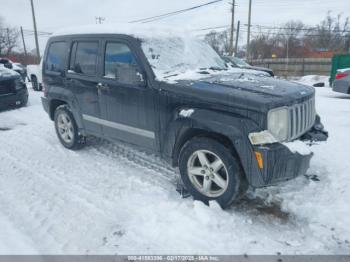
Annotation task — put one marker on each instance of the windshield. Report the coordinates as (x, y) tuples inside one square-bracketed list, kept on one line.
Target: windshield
[(239, 62), (175, 55)]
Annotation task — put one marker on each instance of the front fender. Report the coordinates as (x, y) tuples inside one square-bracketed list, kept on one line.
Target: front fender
[(233, 127)]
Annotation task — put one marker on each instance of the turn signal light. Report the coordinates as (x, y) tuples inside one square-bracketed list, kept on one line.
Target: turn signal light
[(259, 159)]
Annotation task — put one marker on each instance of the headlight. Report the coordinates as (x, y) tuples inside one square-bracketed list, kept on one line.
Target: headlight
[(277, 123), (277, 128)]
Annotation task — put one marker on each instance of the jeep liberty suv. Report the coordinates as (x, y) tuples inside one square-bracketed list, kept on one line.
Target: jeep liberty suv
[(172, 94)]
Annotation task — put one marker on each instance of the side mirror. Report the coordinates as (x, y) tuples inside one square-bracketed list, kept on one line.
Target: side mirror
[(142, 79), (130, 74)]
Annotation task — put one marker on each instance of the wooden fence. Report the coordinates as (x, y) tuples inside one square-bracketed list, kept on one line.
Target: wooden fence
[(296, 66)]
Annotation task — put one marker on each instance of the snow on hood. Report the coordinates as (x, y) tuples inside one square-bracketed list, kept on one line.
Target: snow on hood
[(4, 72)]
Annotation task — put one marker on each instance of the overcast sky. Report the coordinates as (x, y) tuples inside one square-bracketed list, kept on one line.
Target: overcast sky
[(55, 14)]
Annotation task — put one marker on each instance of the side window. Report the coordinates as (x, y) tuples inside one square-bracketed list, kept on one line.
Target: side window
[(120, 63), (55, 61), (83, 58)]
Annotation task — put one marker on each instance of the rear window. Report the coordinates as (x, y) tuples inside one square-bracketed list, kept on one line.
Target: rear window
[(55, 61), (84, 58)]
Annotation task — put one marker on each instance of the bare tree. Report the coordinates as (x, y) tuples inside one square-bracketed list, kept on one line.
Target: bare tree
[(330, 34), (290, 36), (263, 45), (219, 41), (8, 38)]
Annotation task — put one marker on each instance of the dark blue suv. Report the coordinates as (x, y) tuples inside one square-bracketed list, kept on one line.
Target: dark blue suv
[(174, 95)]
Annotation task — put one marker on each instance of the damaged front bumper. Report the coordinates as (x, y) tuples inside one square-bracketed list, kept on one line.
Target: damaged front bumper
[(278, 162)]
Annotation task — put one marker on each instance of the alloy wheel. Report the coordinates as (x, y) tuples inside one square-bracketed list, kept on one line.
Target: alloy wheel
[(207, 173)]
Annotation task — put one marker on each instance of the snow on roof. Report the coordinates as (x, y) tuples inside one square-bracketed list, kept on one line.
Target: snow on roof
[(4, 72), (138, 30), (343, 70)]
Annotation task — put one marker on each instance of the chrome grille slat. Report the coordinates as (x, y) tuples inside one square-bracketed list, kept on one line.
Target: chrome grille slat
[(301, 118)]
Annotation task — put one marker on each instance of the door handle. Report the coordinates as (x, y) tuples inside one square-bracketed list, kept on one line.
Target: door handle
[(102, 87)]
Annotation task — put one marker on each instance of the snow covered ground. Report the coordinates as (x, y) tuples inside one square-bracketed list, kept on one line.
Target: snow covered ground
[(112, 199)]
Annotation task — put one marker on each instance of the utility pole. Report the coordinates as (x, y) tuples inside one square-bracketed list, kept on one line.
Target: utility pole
[(99, 19), (249, 25), (35, 32), (232, 26), (8, 36), (24, 46), (237, 36)]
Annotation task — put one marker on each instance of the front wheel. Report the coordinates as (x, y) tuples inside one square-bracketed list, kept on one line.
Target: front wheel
[(67, 129), (209, 171)]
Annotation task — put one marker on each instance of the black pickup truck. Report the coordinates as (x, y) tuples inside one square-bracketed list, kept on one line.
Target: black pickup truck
[(13, 91), (173, 95)]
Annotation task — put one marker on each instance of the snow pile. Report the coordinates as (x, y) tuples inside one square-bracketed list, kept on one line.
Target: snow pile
[(4, 72), (313, 79)]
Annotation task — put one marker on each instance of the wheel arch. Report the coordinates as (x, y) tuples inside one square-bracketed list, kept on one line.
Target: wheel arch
[(229, 129), (54, 103), (188, 133)]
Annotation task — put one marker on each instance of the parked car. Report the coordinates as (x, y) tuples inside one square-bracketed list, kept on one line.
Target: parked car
[(13, 91), (224, 129), (236, 62), (19, 68), (341, 84), (34, 76)]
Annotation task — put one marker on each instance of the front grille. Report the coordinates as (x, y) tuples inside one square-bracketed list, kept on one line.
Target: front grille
[(7, 87), (301, 118)]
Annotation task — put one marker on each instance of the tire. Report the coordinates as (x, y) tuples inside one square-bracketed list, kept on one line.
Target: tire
[(24, 102), (223, 182), (67, 129), (35, 83)]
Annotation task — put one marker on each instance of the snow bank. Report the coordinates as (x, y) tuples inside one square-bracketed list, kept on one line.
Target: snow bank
[(313, 79)]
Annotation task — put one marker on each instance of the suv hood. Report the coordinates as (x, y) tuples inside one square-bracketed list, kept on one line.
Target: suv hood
[(264, 69), (246, 91)]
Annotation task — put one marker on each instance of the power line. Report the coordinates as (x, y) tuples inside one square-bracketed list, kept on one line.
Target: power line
[(162, 16), (296, 29)]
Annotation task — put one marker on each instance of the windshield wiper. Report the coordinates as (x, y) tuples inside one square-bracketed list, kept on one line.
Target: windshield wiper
[(213, 68)]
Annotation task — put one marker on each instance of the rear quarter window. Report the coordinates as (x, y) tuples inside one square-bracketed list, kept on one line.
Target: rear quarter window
[(56, 57)]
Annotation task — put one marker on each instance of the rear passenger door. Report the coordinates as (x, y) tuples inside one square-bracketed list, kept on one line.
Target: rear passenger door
[(127, 103), (82, 79)]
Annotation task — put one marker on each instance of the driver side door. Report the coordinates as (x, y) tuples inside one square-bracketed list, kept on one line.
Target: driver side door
[(126, 101)]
